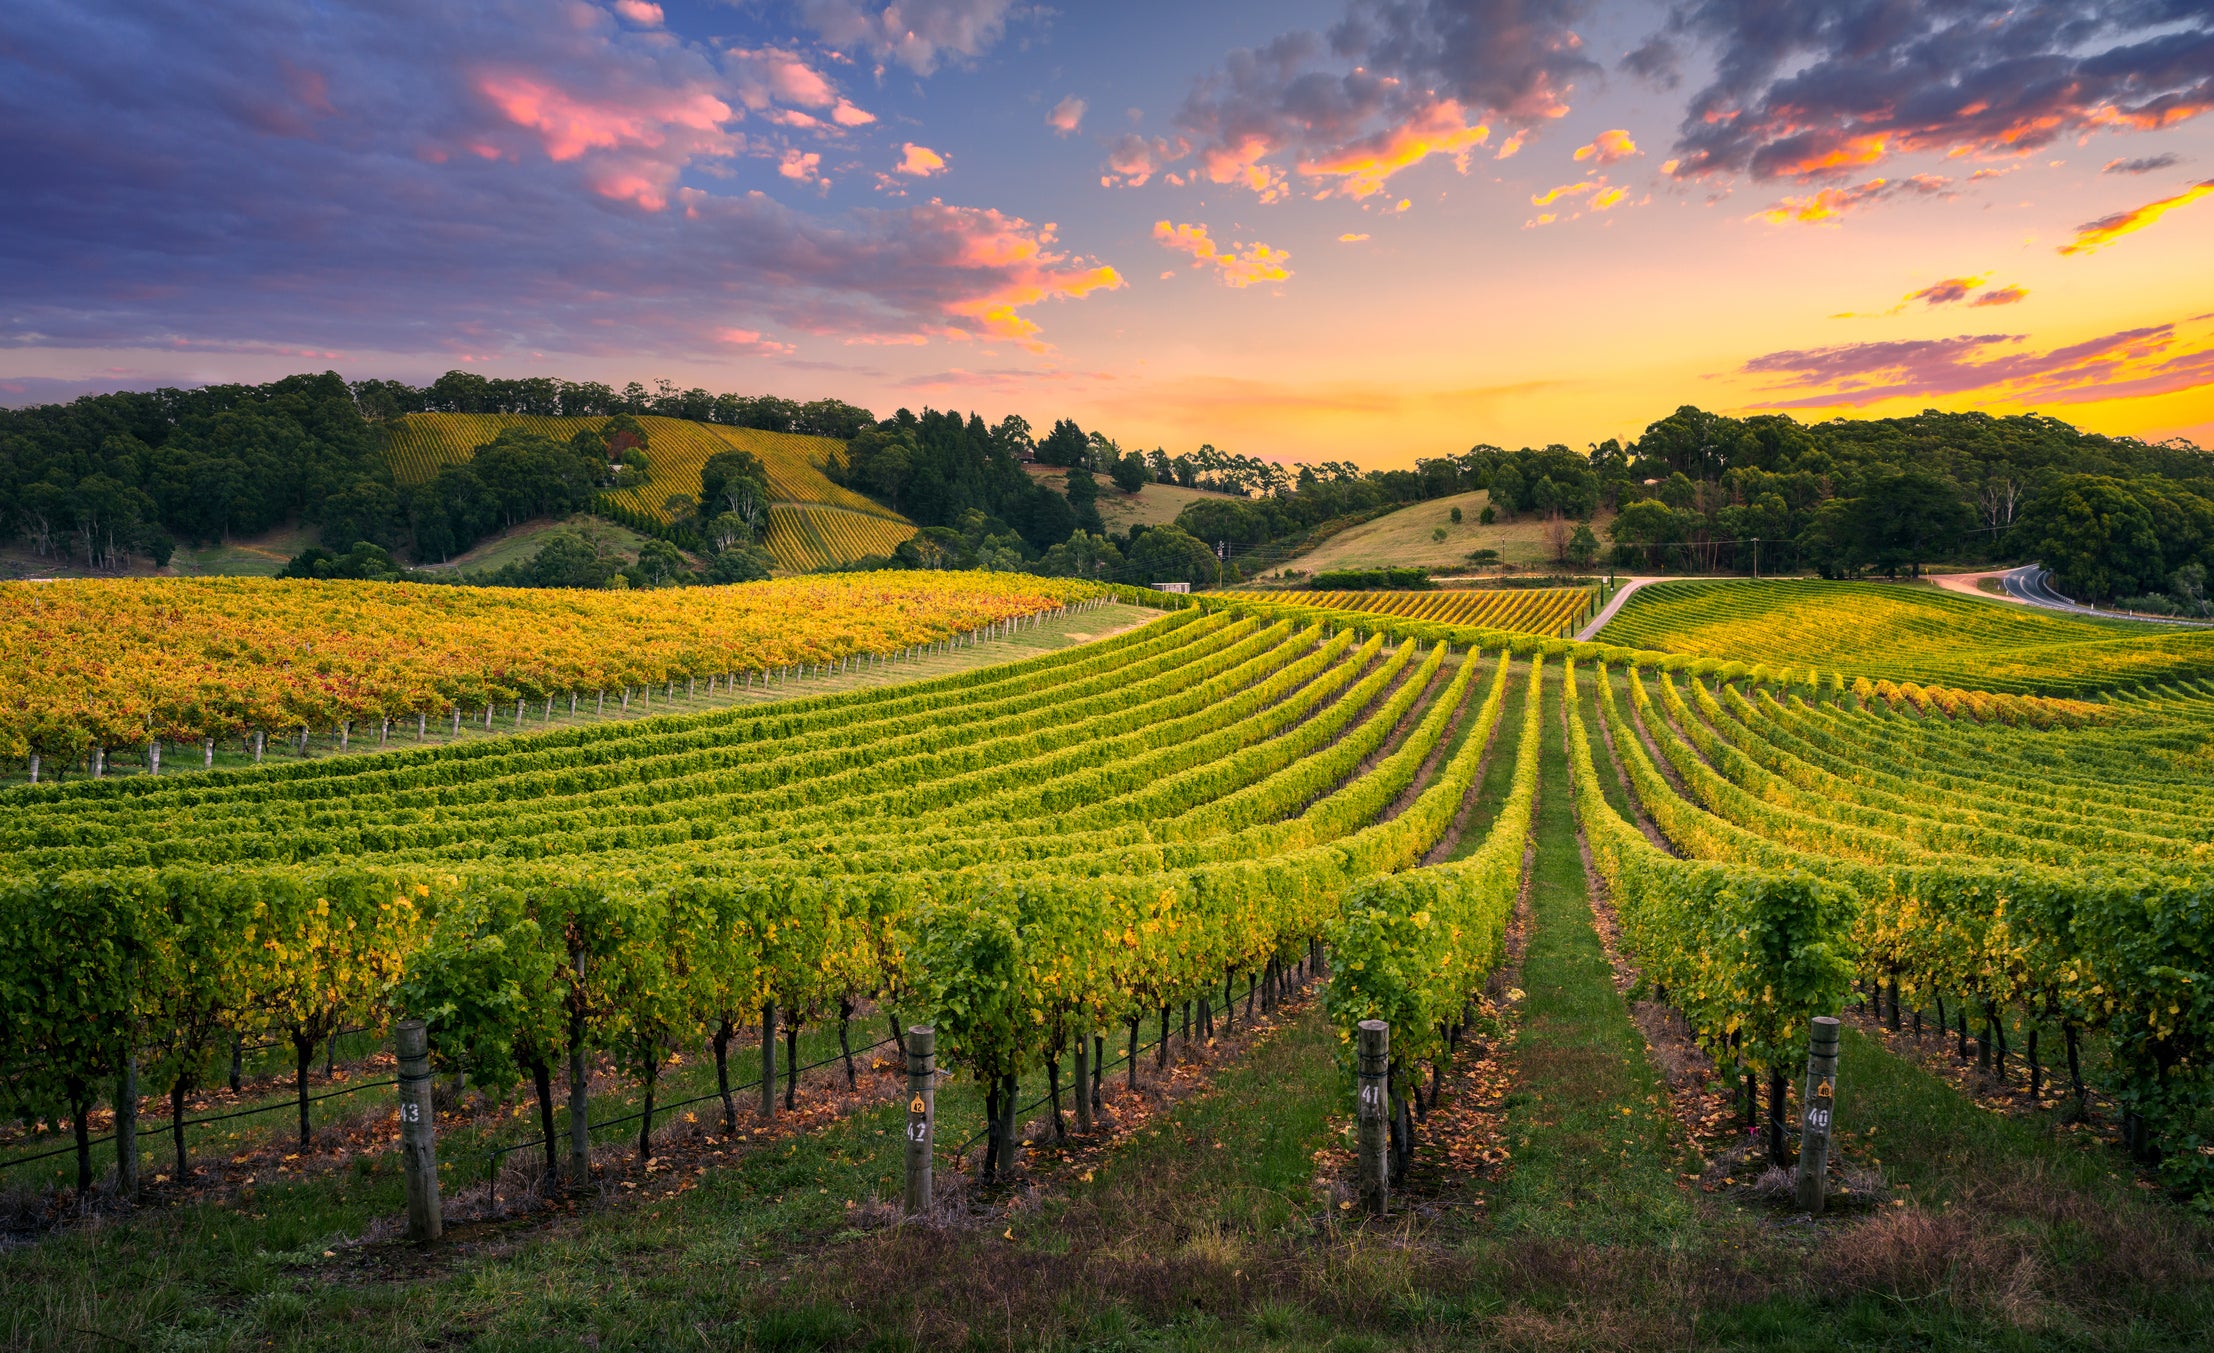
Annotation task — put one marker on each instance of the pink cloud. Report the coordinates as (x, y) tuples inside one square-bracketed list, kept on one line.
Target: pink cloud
[(1067, 115), (641, 138), (2132, 363), (1009, 265), (751, 341), (768, 76), (644, 13), (803, 167)]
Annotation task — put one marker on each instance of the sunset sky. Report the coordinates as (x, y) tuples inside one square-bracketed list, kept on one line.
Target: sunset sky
[(1305, 229)]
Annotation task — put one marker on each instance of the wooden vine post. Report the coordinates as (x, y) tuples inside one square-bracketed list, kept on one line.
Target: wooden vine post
[(922, 1114), (418, 1132), (768, 1061), (1814, 1125), (1374, 1142)]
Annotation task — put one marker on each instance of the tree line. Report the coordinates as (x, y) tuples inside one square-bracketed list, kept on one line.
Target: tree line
[(109, 481)]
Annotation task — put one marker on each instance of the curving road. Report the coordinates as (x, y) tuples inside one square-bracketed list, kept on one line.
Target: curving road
[(1606, 613), (2031, 585)]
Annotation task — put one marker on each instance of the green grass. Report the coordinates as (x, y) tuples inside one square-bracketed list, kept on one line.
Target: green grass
[(262, 556), (1906, 632), (1588, 1125), (1154, 504), (1206, 1229), (518, 544), (1405, 538)]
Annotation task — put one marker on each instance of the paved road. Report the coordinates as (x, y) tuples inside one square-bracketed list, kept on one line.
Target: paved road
[(2031, 585), (1606, 613)]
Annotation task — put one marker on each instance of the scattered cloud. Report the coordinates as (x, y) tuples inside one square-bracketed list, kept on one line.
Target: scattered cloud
[(1816, 91), (366, 179), (803, 166), (1552, 195), (1067, 115), (2143, 164), (917, 34), (1392, 84), (633, 141), (1608, 147), (779, 83), (2092, 235), (1944, 292), (1133, 160), (751, 342), (1350, 237), (1235, 267), (1827, 205), (2129, 364), (919, 161), (1949, 291), (1608, 197), (644, 13)]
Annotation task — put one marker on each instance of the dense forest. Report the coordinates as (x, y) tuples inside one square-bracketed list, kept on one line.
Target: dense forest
[(109, 481)]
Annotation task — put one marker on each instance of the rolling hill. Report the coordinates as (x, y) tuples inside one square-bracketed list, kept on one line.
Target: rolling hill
[(813, 523), (1405, 538)]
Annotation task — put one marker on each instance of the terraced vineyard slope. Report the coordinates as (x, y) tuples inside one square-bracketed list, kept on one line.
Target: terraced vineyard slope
[(1906, 632), (1551, 611), (813, 523)]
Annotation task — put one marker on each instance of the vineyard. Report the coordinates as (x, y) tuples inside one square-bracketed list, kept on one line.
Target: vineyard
[(1907, 633), (1053, 858), (814, 522), (93, 670), (1552, 611)]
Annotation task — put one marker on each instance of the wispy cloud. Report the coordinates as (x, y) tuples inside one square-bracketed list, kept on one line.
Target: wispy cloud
[(2143, 164), (1829, 204), (2098, 234), (2128, 364)]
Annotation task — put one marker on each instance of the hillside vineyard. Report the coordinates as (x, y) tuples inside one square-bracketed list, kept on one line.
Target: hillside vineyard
[(813, 521), (1023, 854), (1553, 611), (98, 670)]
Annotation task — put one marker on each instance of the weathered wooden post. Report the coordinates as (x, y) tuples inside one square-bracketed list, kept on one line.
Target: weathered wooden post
[(126, 1119), (1374, 1142), (922, 1114), (418, 1131), (768, 1061), (1084, 1082), (1814, 1125)]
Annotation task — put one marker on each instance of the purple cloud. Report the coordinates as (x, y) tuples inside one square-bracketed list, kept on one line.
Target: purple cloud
[(1391, 84), (419, 177), (1813, 90), (2128, 364)]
